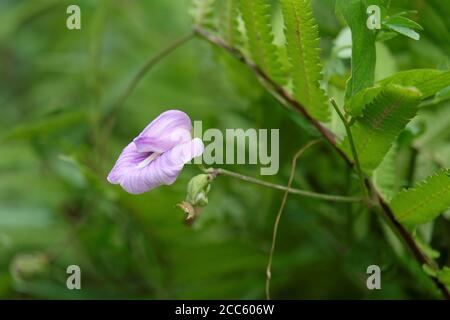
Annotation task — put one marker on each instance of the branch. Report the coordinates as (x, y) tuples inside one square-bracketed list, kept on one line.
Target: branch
[(280, 212), (407, 238), (327, 197), (353, 148)]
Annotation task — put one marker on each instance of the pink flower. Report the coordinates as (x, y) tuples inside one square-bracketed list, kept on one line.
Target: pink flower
[(157, 156)]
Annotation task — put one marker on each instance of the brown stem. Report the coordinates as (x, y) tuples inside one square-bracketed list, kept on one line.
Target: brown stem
[(409, 241), (420, 256)]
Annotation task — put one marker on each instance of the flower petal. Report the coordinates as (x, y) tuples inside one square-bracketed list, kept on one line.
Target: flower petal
[(168, 130), (164, 170), (128, 160)]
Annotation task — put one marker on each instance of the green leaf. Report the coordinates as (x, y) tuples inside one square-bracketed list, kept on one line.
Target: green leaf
[(408, 32), (403, 22), (427, 248), (363, 46), (302, 37), (429, 271), (425, 201), (202, 13), (385, 176), (355, 106), (257, 20), (384, 35), (229, 22), (442, 95), (382, 121), (444, 276), (428, 81)]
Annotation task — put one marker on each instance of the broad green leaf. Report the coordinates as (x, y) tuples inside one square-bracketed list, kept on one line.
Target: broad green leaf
[(428, 81), (425, 201), (382, 121), (302, 39), (363, 46), (257, 20)]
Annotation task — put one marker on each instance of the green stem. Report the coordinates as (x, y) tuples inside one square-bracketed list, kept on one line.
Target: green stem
[(353, 148), (280, 212), (310, 194)]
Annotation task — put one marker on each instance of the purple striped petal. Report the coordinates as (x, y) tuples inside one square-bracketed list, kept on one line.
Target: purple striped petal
[(163, 170), (168, 130)]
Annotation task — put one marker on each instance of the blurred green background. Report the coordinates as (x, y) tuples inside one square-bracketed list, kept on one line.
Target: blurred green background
[(57, 209)]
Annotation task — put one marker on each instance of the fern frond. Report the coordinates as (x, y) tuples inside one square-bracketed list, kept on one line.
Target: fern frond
[(385, 176), (228, 24), (202, 13), (381, 123), (425, 201), (257, 20), (444, 276), (302, 39), (356, 104), (428, 81)]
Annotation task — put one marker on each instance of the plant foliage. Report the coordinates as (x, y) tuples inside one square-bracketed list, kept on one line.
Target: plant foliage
[(258, 27), (381, 122), (302, 38), (425, 201)]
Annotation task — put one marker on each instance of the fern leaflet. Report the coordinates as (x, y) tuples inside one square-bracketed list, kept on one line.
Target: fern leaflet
[(425, 201), (428, 81), (257, 20), (381, 123), (229, 14), (202, 12), (302, 39)]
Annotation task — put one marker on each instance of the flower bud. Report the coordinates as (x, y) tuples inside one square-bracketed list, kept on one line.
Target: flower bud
[(197, 190), (196, 198)]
